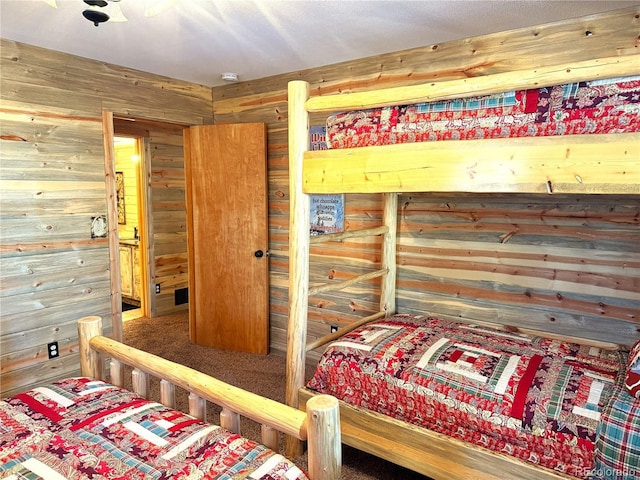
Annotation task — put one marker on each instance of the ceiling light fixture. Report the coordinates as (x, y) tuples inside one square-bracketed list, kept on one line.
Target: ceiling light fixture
[(100, 11), (95, 12)]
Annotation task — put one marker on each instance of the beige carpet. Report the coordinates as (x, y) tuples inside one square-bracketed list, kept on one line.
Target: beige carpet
[(168, 337)]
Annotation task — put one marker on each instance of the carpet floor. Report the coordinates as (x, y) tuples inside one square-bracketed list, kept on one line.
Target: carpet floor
[(168, 337)]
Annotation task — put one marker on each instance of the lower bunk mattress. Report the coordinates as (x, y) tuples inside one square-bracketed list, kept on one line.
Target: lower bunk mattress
[(537, 399), (84, 429)]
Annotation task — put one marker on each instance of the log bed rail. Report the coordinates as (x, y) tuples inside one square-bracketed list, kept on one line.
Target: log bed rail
[(320, 426), (537, 165)]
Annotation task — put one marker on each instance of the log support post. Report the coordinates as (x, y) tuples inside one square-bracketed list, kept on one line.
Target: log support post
[(230, 420), (197, 407), (116, 372), (270, 437), (167, 394), (323, 432), (299, 218), (140, 382), (91, 362)]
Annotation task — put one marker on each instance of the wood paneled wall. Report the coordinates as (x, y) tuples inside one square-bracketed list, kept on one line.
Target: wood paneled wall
[(53, 183), (568, 264)]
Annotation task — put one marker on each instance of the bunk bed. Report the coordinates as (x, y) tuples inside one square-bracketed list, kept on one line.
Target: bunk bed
[(600, 163), (84, 427)]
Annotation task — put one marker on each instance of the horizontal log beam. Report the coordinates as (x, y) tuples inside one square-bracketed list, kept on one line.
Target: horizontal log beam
[(587, 164), (336, 237), (327, 287), (609, 67)]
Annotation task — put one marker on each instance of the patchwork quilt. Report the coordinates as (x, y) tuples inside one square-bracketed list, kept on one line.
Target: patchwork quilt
[(534, 398), (601, 106), (84, 429)]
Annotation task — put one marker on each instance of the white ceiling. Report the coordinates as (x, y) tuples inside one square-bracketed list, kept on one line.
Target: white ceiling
[(198, 40)]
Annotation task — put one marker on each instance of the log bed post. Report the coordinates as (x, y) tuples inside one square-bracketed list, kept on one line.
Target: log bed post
[(323, 431), (388, 287), (299, 217), (91, 362)]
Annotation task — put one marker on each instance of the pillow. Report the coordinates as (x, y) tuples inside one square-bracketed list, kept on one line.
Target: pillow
[(618, 439), (632, 379)]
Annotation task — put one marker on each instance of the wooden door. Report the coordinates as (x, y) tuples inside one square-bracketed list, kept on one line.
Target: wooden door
[(227, 215)]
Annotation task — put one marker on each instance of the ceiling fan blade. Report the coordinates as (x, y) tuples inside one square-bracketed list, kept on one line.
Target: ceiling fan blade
[(115, 12), (156, 7)]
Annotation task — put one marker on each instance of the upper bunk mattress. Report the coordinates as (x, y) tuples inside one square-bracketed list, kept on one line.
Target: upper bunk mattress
[(602, 106), (534, 398), (81, 429)]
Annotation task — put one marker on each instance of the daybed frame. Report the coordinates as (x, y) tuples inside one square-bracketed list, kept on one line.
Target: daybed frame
[(584, 164), (320, 426)]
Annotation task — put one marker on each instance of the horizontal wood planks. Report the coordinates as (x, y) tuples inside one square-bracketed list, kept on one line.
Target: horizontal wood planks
[(53, 183), (561, 263), (449, 263)]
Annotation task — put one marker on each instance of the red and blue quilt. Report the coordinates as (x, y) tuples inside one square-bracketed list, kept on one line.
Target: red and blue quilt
[(84, 429), (593, 107), (538, 399)]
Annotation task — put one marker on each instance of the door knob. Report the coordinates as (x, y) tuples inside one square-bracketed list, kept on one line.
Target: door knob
[(259, 253)]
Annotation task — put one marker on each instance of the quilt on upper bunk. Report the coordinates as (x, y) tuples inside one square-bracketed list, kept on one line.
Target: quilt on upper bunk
[(83, 429), (537, 399), (602, 106)]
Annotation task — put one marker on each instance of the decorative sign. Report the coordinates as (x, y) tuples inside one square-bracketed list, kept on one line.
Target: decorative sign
[(327, 211), (317, 138), (327, 214)]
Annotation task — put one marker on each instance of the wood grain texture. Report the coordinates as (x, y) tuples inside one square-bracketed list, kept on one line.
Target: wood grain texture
[(227, 222), (596, 164), (538, 224), (459, 275), (53, 182)]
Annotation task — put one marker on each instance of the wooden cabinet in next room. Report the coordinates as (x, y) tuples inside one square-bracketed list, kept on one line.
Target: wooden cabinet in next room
[(130, 273)]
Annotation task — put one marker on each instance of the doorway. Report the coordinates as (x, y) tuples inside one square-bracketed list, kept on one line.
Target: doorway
[(130, 207)]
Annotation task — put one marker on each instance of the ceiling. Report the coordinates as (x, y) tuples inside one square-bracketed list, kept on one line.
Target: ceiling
[(199, 40)]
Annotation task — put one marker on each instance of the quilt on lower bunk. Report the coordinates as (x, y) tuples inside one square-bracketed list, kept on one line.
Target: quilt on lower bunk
[(602, 106), (80, 429), (537, 399)]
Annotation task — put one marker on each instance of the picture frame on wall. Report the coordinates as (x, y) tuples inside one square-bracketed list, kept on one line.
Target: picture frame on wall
[(122, 219)]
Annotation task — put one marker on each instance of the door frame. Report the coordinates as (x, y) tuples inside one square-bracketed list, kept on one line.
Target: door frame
[(145, 222)]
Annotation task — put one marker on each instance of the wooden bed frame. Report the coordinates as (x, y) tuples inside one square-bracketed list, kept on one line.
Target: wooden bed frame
[(580, 164), (320, 427)]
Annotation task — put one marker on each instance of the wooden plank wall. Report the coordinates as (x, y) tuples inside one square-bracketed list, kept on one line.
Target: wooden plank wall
[(565, 264), (53, 183)]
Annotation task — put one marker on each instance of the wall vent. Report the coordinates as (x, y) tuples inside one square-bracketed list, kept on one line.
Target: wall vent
[(181, 296)]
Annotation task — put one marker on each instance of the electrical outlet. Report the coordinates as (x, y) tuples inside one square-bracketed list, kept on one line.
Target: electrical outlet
[(52, 349), (334, 328), (157, 288)]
